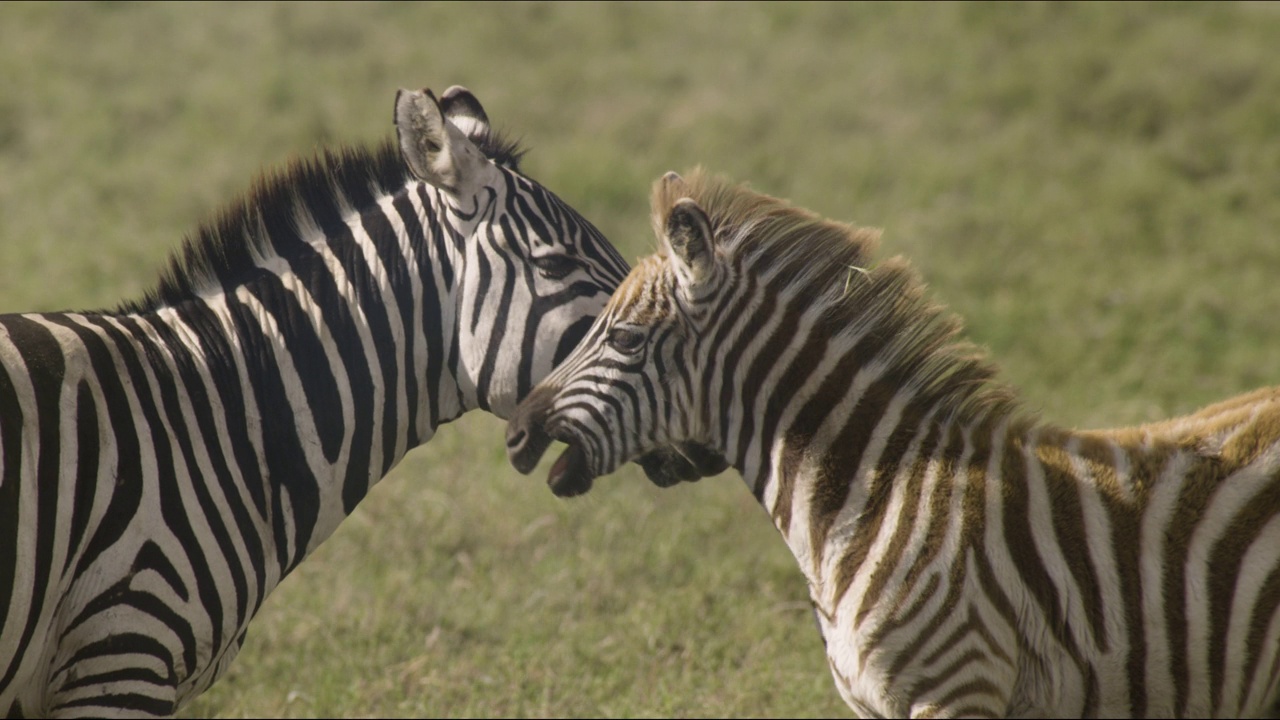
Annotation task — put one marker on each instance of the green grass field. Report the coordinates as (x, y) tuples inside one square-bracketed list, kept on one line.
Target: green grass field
[(1093, 187)]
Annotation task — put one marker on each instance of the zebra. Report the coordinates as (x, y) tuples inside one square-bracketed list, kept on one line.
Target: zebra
[(163, 466), (963, 555)]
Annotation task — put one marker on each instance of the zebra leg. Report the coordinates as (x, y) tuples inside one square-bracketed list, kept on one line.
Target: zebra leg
[(113, 685), (106, 681), (113, 661), (974, 696)]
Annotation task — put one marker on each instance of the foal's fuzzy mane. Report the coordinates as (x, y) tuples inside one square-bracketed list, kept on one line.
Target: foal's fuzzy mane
[(787, 245), (263, 222)]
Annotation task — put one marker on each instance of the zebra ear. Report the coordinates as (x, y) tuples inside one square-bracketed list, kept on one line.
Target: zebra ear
[(688, 232), (435, 151), (462, 109)]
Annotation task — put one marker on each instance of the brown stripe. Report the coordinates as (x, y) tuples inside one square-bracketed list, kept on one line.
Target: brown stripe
[(731, 314), (1226, 559), (995, 594), (1063, 489), (1020, 541), (955, 589), (903, 619), (836, 476), (1260, 617), (1273, 677), (974, 507), (976, 520), (799, 434), (949, 643), (972, 625), (975, 690), (764, 361), (1190, 508), (1125, 546), (964, 661), (903, 526), (939, 512), (794, 443), (1090, 709)]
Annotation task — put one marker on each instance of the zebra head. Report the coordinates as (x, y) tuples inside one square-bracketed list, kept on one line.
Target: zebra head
[(531, 273), (629, 390)]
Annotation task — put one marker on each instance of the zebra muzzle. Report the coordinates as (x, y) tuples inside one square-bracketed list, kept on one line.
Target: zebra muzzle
[(569, 475), (528, 440)]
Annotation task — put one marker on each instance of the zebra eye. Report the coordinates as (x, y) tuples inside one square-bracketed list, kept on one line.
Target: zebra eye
[(626, 341), (554, 267)]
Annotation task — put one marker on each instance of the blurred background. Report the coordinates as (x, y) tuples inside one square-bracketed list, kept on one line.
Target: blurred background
[(1092, 187)]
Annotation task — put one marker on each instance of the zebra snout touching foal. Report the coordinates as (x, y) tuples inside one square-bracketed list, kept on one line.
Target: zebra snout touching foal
[(964, 557), (164, 465)]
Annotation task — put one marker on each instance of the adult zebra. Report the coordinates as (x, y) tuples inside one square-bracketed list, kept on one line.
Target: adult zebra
[(165, 465), (963, 557)]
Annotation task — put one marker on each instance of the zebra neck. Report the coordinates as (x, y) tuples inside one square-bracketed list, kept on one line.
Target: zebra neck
[(822, 396), (828, 466), (333, 363)]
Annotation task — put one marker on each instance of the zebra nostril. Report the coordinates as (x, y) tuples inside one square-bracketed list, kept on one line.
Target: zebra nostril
[(526, 442)]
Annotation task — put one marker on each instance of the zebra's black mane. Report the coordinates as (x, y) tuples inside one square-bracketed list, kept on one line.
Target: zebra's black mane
[(258, 224), (857, 296)]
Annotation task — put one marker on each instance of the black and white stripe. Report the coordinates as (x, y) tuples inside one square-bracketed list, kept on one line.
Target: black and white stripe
[(163, 466), (963, 557)]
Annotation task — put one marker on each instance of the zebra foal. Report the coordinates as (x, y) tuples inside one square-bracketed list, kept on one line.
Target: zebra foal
[(964, 558), (165, 465)]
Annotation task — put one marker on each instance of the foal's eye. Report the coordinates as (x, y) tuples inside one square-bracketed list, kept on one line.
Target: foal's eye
[(554, 267), (626, 341)]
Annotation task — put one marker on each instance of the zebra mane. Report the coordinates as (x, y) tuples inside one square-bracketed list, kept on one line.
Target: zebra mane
[(263, 221), (787, 246)]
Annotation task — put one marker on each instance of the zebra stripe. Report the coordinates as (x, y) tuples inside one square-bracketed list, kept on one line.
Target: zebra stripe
[(963, 557), (163, 466)]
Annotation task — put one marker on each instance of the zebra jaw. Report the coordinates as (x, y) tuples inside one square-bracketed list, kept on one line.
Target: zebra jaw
[(527, 442), (668, 466), (569, 475), (684, 462)]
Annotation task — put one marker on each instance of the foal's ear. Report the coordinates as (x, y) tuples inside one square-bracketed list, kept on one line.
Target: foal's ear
[(435, 150), (688, 232)]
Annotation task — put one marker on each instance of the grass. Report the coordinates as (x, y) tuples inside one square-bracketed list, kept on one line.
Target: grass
[(1091, 186)]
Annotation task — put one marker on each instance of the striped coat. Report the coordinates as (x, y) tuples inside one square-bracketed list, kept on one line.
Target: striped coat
[(165, 465), (964, 557)]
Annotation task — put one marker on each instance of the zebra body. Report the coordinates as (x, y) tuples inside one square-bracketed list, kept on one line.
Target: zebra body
[(963, 557), (165, 465)]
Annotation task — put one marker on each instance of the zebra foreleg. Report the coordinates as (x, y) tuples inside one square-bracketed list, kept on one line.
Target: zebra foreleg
[(975, 697), (123, 675), (126, 693)]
